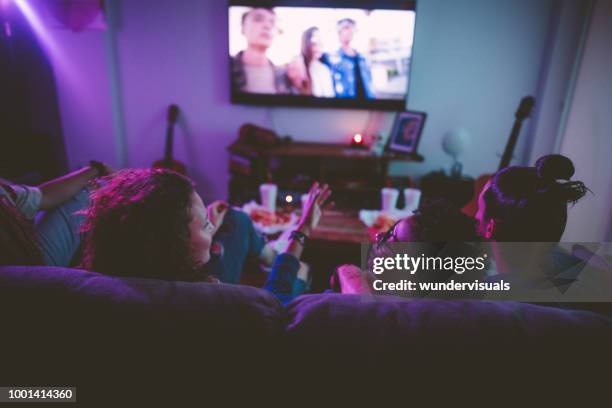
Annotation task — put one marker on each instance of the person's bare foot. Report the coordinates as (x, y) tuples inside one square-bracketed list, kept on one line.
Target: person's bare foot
[(351, 280), (304, 271)]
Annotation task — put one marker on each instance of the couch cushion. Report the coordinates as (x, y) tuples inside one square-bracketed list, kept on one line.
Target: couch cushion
[(76, 327), (363, 331), (232, 306)]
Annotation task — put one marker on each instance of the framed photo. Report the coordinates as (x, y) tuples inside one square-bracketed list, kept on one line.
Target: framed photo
[(406, 132)]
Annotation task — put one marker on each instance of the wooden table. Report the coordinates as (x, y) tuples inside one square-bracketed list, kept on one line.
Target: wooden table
[(336, 240), (340, 226)]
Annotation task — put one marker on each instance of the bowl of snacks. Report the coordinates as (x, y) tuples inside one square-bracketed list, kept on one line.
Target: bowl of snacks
[(267, 222)]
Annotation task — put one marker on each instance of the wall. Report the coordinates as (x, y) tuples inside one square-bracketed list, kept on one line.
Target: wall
[(85, 99), (473, 61), (588, 134), (569, 24), (29, 111)]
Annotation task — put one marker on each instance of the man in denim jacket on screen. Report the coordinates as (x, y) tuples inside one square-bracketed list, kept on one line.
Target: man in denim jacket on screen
[(351, 71)]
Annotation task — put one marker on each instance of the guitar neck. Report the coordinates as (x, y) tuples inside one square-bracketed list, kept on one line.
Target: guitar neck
[(509, 150), (169, 144)]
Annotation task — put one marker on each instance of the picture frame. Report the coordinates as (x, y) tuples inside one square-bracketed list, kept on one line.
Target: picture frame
[(406, 132)]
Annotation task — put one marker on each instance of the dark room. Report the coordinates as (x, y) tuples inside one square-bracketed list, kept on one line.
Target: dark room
[(274, 199)]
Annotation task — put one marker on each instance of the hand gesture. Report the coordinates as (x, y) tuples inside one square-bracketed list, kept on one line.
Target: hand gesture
[(216, 213), (312, 211)]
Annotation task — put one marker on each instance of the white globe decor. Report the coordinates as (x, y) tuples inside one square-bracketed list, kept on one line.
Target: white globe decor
[(454, 143)]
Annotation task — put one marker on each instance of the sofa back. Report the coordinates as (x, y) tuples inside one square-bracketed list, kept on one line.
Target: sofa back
[(69, 326)]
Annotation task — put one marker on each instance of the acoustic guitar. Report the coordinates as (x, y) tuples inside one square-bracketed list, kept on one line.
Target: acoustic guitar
[(523, 111), (168, 161)]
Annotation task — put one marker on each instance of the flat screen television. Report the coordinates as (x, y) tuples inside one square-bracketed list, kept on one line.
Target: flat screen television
[(334, 53)]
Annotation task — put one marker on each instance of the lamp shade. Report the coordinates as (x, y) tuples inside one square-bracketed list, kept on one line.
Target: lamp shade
[(455, 141)]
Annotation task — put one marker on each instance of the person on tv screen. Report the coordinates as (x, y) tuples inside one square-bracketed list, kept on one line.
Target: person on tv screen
[(308, 72), (252, 70), (351, 71)]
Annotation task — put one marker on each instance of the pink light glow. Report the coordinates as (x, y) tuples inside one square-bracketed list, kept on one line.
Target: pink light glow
[(49, 44)]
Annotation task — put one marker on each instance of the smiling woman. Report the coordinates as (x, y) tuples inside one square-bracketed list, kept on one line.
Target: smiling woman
[(151, 223)]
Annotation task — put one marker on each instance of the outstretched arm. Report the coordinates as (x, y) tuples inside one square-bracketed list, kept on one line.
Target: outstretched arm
[(311, 216), (61, 189), (286, 266)]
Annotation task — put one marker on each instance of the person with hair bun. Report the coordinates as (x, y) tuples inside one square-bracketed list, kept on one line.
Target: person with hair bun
[(529, 204)]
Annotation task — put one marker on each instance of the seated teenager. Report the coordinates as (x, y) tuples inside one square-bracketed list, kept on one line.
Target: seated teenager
[(234, 241), (529, 205), (151, 223), (439, 228), (39, 224)]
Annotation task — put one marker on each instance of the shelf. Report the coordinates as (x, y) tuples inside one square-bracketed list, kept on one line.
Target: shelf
[(355, 175), (318, 150)]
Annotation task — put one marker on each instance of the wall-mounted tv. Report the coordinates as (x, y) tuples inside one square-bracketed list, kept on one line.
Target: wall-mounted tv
[(335, 53)]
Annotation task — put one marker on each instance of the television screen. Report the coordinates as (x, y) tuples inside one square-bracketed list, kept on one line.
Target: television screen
[(333, 53)]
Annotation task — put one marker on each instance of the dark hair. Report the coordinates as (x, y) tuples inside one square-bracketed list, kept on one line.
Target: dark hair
[(18, 243), (346, 20), (435, 223), (438, 228), (439, 221), (246, 13), (530, 203), (306, 52), (138, 225)]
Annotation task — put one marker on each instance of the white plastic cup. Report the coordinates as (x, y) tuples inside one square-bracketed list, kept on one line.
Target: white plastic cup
[(268, 194), (412, 197), (389, 199)]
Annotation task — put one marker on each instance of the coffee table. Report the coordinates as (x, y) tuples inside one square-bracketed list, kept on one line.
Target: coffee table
[(342, 227)]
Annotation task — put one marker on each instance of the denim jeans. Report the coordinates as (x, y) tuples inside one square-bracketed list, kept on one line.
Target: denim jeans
[(59, 230)]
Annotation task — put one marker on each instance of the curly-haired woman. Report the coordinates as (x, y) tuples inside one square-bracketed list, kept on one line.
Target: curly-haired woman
[(151, 223)]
